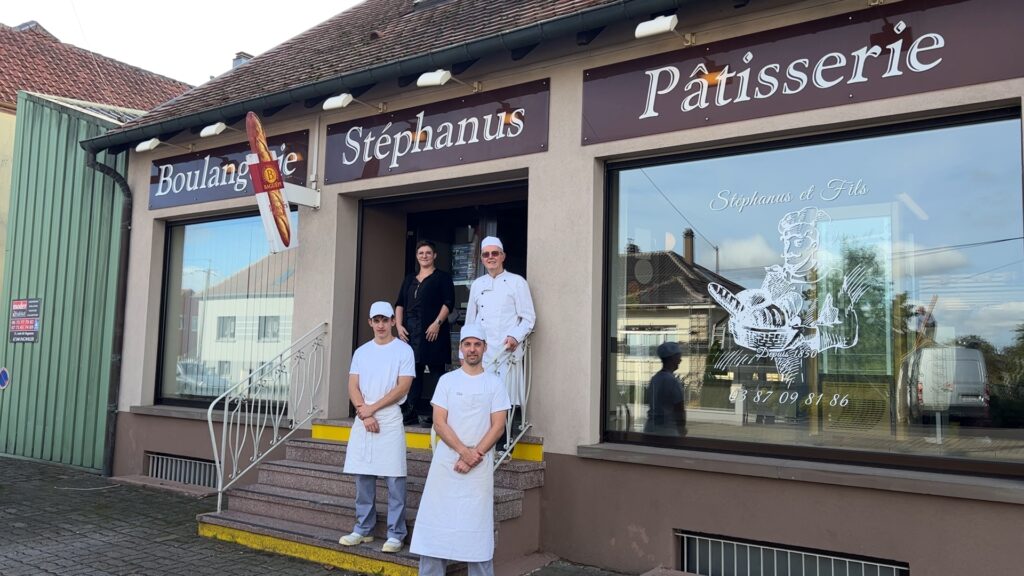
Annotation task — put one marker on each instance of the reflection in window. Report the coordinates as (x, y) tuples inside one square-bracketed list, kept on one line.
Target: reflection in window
[(228, 306), (862, 294), (270, 328), (225, 327)]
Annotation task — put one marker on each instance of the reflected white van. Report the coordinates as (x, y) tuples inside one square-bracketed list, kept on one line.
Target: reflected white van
[(943, 380)]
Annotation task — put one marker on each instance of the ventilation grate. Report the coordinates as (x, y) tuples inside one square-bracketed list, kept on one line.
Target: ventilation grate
[(716, 556), (182, 470)]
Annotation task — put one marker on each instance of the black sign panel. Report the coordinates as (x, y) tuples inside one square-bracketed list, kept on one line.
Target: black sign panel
[(885, 51), (26, 320), (496, 124), (221, 173)]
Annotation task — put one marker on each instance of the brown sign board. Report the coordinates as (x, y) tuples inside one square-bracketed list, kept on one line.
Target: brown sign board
[(221, 173), (483, 126), (892, 50)]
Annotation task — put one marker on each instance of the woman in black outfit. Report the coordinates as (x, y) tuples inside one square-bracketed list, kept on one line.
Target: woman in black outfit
[(421, 314)]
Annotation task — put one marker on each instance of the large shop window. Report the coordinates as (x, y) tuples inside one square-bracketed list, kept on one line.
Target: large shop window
[(862, 295), (227, 307)]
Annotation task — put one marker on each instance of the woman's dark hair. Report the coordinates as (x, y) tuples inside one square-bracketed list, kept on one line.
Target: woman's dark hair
[(422, 243)]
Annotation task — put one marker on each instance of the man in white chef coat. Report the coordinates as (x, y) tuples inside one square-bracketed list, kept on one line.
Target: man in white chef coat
[(456, 514), (379, 378), (500, 302)]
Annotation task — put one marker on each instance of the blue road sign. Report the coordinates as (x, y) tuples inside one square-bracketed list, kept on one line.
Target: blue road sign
[(5, 378)]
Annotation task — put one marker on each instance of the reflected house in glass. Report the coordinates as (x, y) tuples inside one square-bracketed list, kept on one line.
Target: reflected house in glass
[(244, 301), (665, 299)]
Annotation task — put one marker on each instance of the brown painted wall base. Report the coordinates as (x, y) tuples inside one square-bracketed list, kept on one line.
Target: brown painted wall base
[(622, 517), (176, 436)]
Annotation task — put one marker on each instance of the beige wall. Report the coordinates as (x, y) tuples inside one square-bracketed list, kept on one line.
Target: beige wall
[(7, 119), (625, 519)]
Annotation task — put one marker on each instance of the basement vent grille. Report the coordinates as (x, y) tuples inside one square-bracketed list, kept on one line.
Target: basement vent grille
[(182, 470), (716, 556)]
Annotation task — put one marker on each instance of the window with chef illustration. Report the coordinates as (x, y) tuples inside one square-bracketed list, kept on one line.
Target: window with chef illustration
[(862, 293)]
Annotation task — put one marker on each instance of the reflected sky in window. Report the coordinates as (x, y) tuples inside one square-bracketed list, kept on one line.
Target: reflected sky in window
[(941, 209)]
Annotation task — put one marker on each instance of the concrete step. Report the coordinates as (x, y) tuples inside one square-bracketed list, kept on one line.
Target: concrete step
[(327, 479), (514, 474), (314, 543), (338, 512)]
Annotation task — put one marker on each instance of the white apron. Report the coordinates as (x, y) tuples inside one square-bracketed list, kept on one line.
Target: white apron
[(455, 520), (381, 453), (503, 307)]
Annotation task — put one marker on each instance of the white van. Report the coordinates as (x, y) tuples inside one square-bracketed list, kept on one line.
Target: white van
[(946, 380)]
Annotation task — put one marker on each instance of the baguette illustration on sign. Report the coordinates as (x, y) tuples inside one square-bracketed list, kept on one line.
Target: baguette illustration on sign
[(269, 187), (783, 319)]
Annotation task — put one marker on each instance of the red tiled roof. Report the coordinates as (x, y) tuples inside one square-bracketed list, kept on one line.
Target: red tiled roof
[(34, 60), (370, 34)]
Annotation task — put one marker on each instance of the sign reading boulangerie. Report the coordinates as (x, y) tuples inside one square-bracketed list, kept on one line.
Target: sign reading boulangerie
[(904, 48), (221, 173), (495, 124)]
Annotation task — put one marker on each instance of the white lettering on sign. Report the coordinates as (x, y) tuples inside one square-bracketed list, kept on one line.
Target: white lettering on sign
[(170, 181), (364, 145), (705, 87)]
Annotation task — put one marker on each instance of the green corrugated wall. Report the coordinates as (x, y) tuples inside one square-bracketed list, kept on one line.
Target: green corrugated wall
[(62, 243)]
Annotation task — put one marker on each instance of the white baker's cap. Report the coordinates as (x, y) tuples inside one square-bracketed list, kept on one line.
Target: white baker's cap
[(492, 241), (472, 331), (381, 309)]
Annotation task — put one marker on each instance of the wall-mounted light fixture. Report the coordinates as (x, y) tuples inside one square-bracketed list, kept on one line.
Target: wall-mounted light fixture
[(344, 99), (440, 77), (215, 129), (152, 143), (663, 25)]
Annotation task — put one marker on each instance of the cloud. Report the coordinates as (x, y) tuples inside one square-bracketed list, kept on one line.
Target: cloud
[(745, 253), (926, 261)]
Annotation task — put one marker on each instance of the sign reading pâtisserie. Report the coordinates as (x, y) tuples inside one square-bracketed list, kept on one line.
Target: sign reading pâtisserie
[(221, 173), (484, 126), (880, 52)]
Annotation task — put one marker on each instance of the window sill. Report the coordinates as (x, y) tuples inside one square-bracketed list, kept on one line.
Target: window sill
[(182, 412), (909, 481)]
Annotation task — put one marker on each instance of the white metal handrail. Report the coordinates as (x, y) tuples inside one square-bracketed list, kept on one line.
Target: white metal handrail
[(262, 405), (512, 367)]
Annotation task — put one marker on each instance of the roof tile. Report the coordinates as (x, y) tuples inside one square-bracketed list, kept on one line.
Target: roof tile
[(34, 60)]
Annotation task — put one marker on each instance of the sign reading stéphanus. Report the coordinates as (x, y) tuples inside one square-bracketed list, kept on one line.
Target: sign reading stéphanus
[(26, 320)]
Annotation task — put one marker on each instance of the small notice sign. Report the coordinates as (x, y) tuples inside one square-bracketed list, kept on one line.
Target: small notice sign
[(5, 378), (26, 320)]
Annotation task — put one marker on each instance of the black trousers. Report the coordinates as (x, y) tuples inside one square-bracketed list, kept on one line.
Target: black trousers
[(417, 403)]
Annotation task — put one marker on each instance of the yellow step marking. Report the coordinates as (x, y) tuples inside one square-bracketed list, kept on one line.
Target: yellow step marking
[(421, 440), (337, 558)]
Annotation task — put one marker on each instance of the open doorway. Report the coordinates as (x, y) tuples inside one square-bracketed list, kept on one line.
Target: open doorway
[(456, 221)]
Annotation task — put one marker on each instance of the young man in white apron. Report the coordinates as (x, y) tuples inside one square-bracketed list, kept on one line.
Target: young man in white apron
[(456, 514), (379, 378)]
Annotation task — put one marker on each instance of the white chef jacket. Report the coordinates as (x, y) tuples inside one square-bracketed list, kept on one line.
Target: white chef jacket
[(455, 520), (379, 367), (502, 305)]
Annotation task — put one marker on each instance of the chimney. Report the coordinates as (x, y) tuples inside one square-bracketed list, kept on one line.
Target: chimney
[(688, 245), (240, 58)]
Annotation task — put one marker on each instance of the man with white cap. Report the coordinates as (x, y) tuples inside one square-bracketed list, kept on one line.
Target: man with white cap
[(500, 302), (666, 413), (455, 520), (379, 378)]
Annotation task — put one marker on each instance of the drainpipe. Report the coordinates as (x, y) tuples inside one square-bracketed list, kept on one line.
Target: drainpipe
[(119, 310)]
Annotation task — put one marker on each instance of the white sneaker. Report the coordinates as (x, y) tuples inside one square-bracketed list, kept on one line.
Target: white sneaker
[(353, 539), (392, 545)]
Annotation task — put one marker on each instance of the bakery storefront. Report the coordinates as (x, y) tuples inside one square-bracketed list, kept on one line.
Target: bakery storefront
[(819, 202)]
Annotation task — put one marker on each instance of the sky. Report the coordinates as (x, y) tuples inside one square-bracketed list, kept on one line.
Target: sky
[(186, 40)]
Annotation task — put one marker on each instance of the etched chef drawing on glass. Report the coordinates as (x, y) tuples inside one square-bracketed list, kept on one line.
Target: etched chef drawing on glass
[(782, 319)]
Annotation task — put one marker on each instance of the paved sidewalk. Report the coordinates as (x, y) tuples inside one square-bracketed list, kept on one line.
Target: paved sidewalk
[(60, 520), (69, 522)]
